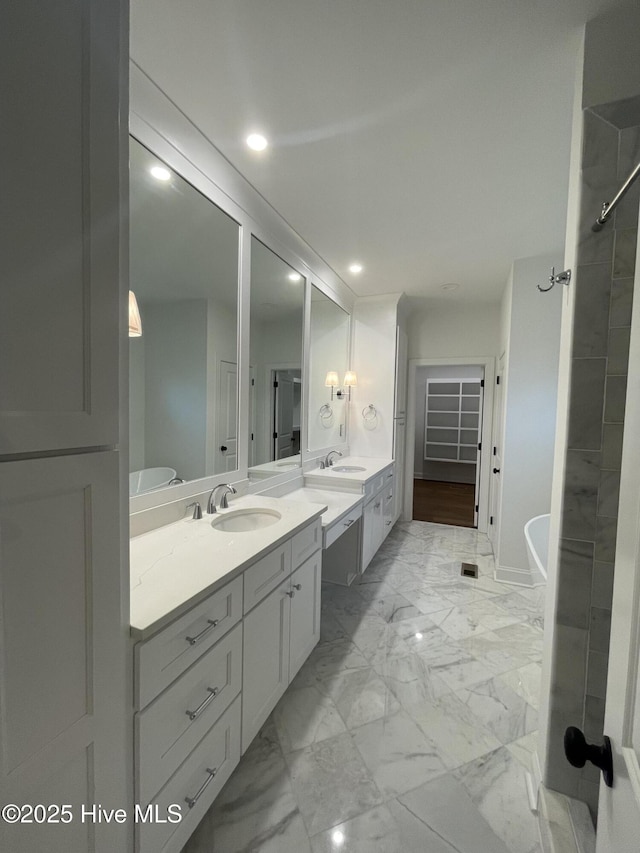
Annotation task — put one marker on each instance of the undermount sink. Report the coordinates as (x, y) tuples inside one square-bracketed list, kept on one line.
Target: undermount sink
[(347, 469), (245, 520)]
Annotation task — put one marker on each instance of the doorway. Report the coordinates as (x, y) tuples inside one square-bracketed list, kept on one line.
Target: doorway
[(445, 460)]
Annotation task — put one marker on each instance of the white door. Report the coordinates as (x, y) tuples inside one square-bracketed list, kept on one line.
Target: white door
[(619, 806), (226, 454), (495, 460), (283, 415)]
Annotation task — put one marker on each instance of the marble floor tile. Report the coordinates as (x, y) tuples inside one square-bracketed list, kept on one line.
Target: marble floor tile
[(394, 607), (390, 738), (453, 727), (410, 679), (398, 754), (524, 638), (500, 709), (523, 607), (494, 652), (256, 809), (523, 749), (331, 783), (360, 696), (496, 784), (526, 682), (329, 658), (305, 716), (446, 808)]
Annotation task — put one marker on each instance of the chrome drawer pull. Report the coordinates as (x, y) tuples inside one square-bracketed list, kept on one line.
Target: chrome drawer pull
[(291, 593), (213, 692), (191, 801), (193, 640), (297, 586), (388, 523), (348, 523), (389, 476), (377, 506), (390, 498)]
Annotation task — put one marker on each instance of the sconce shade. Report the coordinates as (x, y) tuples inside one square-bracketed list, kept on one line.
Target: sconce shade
[(135, 323), (332, 379), (350, 379)]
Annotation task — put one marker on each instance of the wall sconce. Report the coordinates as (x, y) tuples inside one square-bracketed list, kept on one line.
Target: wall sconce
[(350, 381), (135, 323)]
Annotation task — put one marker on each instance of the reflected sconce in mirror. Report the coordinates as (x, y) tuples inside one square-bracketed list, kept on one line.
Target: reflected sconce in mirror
[(135, 323), (350, 381)]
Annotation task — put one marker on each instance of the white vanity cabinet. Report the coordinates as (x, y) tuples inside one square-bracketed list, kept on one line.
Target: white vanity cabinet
[(207, 681), (280, 632), (378, 514)]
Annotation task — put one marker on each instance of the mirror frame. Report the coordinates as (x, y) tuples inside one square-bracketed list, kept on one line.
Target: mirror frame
[(160, 126)]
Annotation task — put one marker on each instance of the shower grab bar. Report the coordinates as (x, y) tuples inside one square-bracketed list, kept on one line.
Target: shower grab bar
[(608, 207)]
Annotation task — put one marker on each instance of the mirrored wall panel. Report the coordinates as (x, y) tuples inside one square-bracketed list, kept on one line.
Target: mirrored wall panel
[(277, 324), (328, 370), (183, 358)]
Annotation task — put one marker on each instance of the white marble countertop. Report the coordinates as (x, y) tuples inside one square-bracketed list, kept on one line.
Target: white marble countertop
[(176, 566), (325, 477), (337, 503)]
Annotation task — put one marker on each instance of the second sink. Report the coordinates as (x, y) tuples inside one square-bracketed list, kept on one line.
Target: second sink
[(245, 520), (347, 469)]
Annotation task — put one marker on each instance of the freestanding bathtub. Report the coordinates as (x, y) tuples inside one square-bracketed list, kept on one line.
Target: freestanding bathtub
[(536, 534)]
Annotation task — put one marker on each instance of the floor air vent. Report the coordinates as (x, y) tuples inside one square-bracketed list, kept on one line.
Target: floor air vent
[(469, 570)]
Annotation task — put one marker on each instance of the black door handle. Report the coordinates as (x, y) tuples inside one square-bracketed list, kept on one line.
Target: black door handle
[(578, 752), (496, 470), (223, 448)]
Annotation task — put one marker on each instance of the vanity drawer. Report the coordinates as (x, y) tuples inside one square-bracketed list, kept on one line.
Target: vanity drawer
[(165, 732), (305, 543), (266, 574), (336, 530), (218, 751), (163, 658), (374, 486)]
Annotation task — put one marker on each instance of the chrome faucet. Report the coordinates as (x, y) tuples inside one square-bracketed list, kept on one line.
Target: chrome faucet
[(328, 461), (224, 502), (197, 510)]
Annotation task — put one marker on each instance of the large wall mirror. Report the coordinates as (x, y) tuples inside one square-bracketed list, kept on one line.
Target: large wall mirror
[(275, 338), (328, 366), (183, 368)]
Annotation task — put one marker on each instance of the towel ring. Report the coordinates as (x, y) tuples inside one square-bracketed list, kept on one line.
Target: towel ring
[(327, 410), (369, 413)]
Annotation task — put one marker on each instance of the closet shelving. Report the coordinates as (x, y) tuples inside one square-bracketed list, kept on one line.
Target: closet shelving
[(452, 420)]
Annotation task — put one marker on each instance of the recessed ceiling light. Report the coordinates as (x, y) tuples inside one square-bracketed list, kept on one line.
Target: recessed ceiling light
[(356, 268), (294, 276), (160, 173), (449, 286), (418, 636), (337, 837), (257, 141)]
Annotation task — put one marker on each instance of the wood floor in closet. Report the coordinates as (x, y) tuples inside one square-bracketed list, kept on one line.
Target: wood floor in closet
[(443, 503)]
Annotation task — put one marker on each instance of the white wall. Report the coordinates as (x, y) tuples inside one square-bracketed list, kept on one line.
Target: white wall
[(136, 404), (451, 472), (530, 395), (329, 343), (176, 382), (453, 330), (374, 345)]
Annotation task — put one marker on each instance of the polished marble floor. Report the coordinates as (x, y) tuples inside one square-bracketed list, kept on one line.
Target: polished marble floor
[(410, 727)]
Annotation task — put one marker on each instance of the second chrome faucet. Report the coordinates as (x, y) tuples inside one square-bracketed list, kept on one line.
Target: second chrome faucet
[(224, 501)]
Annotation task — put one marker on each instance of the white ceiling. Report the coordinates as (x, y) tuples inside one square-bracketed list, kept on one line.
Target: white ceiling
[(427, 139)]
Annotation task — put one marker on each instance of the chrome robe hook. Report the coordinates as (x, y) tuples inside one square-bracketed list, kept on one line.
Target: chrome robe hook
[(560, 278)]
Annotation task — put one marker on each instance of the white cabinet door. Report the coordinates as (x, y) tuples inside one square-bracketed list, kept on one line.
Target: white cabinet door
[(305, 612), (265, 672), (372, 527), (63, 649), (388, 507), (64, 117)]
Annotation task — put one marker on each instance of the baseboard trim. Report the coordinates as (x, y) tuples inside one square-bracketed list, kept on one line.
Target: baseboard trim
[(517, 577), (564, 823)]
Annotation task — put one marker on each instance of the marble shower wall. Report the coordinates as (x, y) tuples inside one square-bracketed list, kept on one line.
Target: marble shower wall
[(602, 319)]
